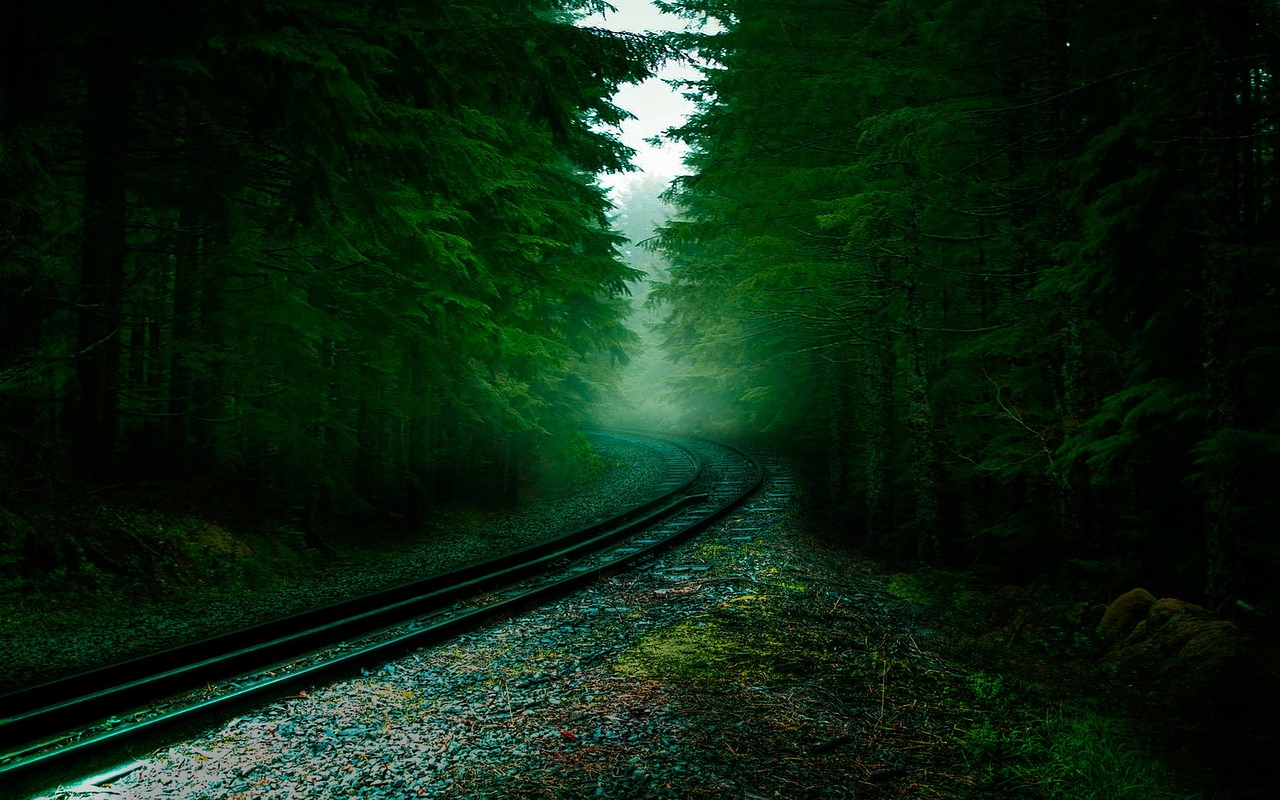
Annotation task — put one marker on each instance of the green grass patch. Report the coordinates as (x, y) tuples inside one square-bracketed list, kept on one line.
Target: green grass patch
[(1079, 755), (699, 651)]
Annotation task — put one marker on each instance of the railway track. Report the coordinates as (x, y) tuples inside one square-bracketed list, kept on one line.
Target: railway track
[(92, 718)]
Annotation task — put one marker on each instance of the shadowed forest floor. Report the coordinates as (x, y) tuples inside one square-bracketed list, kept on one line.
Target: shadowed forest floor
[(757, 661)]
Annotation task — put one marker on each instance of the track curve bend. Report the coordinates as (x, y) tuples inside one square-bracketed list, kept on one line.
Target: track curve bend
[(94, 716)]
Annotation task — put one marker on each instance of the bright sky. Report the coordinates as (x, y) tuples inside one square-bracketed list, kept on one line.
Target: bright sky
[(656, 105)]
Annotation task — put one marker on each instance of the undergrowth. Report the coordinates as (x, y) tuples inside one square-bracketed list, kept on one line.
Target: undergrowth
[(1018, 638), (1066, 754), (94, 560)]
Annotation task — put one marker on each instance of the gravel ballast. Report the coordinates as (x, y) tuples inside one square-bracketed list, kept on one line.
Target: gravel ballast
[(753, 661), (530, 705), (737, 665)]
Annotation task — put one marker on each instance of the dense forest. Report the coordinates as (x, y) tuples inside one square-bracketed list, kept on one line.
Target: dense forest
[(337, 256), (1007, 268), (1005, 271)]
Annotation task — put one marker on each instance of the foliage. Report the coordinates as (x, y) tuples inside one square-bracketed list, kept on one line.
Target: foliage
[(352, 256), (1017, 264), (1076, 754)]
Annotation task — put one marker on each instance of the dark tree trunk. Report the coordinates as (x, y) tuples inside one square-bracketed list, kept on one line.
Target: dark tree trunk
[(186, 277), (99, 302), (879, 444), (368, 433), (880, 415), (840, 447), (1229, 211), (925, 469)]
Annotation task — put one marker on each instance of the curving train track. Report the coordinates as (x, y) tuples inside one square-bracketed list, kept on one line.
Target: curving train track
[(91, 718)]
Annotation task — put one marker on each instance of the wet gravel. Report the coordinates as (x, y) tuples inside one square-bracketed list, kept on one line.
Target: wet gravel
[(39, 653), (530, 706)]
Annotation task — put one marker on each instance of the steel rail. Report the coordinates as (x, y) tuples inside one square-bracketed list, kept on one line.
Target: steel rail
[(595, 549), (37, 711)]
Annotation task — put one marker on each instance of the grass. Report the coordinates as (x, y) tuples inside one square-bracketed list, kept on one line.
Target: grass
[(1065, 753), (1077, 755)]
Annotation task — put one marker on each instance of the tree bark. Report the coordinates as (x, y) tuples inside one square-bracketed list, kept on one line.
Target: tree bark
[(100, 295), (1228, 210), (879, 444), (840, 447), (186, 272), (925, 467)]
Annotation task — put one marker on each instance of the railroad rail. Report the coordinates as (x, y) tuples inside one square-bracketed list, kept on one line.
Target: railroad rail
[(87, 719)]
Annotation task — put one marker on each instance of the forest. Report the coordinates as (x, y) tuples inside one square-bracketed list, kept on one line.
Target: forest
[(1002, 272), (341, 257), (1005, 270)]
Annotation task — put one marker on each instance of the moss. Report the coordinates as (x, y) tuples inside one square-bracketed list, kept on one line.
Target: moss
[(745, 640), (1125, 612), (778, 579), (1167, 608), (698, 651), (708, 551)]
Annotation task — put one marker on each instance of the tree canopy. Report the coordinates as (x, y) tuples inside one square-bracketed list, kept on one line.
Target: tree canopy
[(347, 254), (1021, 254)]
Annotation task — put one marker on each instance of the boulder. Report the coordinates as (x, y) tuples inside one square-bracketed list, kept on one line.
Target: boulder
[(1125, 613), (1179, 651)]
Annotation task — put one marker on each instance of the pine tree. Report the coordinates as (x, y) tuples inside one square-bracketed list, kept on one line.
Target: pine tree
[(316, 233)]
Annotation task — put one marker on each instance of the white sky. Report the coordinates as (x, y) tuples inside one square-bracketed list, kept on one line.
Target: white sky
[(656, 105)]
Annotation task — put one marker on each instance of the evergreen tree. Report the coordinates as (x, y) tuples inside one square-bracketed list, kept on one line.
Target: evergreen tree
[(319, 246), (1014, 254)]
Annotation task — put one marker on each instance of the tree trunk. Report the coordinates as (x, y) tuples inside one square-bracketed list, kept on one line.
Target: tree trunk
[(879, 445), (840, 447), (368, 432), (186, 272), (419, 477), (1229, 209), (1073, 482), (99, 302), (878, 432), (925, 468)]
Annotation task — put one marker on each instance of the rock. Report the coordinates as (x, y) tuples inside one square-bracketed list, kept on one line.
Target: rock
[(1125, 613), (1167, 608), (1180, 651)]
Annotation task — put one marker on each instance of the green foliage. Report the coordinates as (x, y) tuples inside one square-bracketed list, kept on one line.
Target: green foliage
[(362, 245), (948, 590), (1080, 754), (985, 687), (1021, 294)]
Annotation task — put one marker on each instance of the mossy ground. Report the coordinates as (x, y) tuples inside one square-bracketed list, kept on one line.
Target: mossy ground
[(915, 684), (95, 554), (93, 559)]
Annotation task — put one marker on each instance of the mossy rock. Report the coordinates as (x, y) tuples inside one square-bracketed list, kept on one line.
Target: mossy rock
[(1125, 613), (1181, 652), (1170, 608)]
